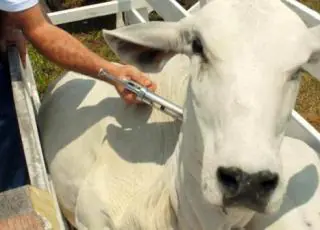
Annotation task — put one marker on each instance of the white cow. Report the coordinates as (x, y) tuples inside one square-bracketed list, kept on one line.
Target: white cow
[(234, 67)]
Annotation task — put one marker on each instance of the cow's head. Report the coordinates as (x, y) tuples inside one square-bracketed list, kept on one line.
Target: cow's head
[(245, 61)]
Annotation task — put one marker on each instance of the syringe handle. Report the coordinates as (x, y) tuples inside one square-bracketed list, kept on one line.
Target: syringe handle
[(146, 96), (161, 104)]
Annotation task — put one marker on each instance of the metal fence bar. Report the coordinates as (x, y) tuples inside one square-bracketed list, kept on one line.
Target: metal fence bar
[(30, 84), (95, 10), (26, 116), (136, 16), (27, 124), (300, 128), (194, 8), (169, 10), (309, 16)]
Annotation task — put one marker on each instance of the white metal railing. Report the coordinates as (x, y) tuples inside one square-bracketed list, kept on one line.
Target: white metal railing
[(309, 16), (26, 101), (170, 10), (95, 10), (136, 16), (25, 109)]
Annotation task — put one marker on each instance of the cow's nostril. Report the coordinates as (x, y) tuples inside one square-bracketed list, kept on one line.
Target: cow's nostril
[(243, 189), (230, 179), (268, 181)]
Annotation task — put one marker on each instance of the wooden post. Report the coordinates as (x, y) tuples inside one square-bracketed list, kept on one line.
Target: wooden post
[(27, 207)]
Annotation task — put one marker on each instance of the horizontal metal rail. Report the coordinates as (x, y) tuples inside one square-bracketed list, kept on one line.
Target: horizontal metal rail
[(95, 10), (26, 101), (169, 10), (27, 123), (309, 16)]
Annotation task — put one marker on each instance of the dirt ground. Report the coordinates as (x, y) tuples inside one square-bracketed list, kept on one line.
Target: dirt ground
[(308, 102)]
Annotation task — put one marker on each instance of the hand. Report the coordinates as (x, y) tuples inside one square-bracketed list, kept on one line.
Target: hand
[(131, 73), (15, 37)]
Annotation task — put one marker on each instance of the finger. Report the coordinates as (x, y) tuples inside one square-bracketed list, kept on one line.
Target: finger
[(137, 76), (130, 98), (146, 82), (143, 80), (120, 88), (152, 87)]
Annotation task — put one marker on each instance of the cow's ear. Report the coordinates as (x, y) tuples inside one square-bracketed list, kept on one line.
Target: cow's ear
[(313, 66), (148, 46)]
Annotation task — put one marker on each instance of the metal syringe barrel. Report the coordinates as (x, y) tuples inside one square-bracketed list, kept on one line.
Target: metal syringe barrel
[(154, 100), (148, 97)]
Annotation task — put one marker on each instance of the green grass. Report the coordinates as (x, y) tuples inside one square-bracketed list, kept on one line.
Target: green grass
[(46, 71), (308, 102)]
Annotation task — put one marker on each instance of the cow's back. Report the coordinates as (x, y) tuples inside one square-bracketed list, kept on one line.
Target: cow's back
[(85, 128)]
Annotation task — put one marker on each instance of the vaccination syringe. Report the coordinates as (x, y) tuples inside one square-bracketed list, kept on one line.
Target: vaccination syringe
[(146, 96)]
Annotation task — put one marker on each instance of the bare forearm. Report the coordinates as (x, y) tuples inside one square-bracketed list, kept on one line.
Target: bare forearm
[(58, 46), (64, 50)]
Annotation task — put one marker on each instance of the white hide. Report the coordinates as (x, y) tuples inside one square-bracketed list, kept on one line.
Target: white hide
[(92, 128), (120, 167), (301, 209)]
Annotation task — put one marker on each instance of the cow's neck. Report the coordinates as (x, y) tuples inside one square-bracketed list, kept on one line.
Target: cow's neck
[(175, 200), (192, 211), (181, 186)]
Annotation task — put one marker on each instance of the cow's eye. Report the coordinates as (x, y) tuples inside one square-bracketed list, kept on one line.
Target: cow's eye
[(197, 47)]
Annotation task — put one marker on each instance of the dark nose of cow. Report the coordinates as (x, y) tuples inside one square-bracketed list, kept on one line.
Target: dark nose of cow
[(250, 190)]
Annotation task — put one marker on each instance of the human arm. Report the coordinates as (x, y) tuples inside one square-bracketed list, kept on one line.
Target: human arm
[(66, 51)]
